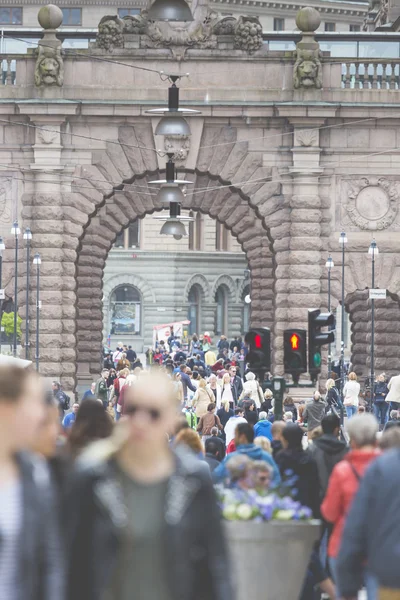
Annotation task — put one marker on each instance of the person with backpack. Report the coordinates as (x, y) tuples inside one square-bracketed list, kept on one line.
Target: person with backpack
[(63, 400), (343, 486), (116, 391), (101, 390), (208, 421)]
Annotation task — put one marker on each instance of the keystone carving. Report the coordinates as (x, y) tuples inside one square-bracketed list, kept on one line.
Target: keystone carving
[(179, 146), (372, 203)]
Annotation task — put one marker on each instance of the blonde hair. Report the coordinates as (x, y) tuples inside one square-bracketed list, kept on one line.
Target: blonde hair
[(352, 376), (229, 378), (202, 383), (226, 404), (264, 443), (268, 394), (330, 384)]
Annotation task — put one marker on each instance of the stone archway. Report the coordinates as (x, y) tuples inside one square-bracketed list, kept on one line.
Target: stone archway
[(245, 210)]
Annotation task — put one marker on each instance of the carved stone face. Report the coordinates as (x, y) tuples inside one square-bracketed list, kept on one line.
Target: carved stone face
[(49, 70), (307, 71)]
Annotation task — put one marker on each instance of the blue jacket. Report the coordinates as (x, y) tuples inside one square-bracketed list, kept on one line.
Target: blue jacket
[(255, 453), (187, 383), (372, 529), (69, 420), (263, 429)]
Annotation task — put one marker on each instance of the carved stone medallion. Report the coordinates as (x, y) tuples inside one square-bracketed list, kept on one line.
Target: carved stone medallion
[(372, 203)]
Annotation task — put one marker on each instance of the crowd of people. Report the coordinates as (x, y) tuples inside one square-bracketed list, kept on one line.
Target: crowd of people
[(100, 496)]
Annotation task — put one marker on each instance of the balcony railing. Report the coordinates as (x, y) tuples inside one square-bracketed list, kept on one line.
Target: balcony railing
[(371, 74)]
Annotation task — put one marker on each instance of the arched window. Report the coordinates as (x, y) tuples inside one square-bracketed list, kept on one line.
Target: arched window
[(246, 309), (125, 310), (194, 300), (221, 317)]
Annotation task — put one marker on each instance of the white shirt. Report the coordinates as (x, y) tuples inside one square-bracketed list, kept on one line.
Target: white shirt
[(351, 391), (230, 428)]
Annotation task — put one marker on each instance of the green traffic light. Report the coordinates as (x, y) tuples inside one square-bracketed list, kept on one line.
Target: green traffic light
[(317, 360)]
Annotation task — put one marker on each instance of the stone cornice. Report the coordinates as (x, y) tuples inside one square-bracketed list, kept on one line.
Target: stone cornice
[(261, 6)]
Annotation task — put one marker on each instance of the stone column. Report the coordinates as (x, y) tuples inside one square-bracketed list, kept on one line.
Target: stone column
[(55, 236), (304, 259)]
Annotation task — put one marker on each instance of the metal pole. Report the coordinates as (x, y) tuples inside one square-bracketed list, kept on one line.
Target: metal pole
[(342, 332), (372, 331), (329, 310), (15, 296), (28, 265), (1, 299), (37, 315)]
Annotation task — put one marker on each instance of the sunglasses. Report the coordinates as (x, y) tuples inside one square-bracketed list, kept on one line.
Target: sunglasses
[(133, 409)]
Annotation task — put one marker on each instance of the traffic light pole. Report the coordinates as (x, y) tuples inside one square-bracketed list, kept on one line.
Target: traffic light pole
[(342, 329), (329, 310), (373, 334)]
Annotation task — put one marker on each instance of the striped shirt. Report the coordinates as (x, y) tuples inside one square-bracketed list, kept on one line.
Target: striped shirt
[(10, 538)]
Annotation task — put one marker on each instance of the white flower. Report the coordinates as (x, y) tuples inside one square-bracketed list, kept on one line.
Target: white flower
[(229, 512), (244, 512), (284, 515)]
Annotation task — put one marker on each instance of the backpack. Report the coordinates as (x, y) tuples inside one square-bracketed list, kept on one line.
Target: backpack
[(64, 400)]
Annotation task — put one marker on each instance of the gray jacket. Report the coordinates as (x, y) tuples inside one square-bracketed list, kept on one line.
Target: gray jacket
[(41, 564), (372, 529), (314, 413)]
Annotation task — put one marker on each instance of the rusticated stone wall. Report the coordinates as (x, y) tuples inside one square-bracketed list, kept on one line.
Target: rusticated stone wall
[(387, 333)]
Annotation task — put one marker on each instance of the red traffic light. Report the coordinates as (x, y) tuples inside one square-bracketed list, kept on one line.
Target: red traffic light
[(294, 341), (258, 341)]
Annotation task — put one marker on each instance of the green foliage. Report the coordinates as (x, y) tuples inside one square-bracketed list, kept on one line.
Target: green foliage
[(7, 321)]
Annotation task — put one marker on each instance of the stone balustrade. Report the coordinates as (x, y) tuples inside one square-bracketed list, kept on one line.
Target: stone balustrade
[(370, 74)]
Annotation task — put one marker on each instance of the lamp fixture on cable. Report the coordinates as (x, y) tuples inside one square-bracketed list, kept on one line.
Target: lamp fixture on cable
[(170, 174)]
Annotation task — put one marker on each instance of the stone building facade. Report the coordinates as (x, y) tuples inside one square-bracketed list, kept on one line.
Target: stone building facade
[(289, 150), (153, 280)]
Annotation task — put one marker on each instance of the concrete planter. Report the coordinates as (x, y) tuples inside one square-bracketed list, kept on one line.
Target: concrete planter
[(269, 560)]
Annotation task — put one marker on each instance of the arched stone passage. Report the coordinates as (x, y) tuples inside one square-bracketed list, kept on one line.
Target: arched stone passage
[(229, 284), (246, 210)]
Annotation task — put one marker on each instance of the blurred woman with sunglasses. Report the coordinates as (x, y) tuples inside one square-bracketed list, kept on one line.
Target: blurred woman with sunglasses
[(143, 521)]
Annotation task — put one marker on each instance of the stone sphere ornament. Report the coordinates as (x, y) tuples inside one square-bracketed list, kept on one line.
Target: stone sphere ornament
[(50, 16), (308, 19)]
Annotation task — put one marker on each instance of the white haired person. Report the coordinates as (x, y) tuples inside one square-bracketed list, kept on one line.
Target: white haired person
[(343, 485), (138, 511), (252, 389)]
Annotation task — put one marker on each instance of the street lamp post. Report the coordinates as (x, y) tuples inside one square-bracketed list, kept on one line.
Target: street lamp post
[(15, 231), (2, 247), (342, 242), (28, 238), (373, 251), (329, 265), (37, 261)]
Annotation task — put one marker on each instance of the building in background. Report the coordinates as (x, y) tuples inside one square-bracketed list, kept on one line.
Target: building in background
[(83, 16), (151, 280)]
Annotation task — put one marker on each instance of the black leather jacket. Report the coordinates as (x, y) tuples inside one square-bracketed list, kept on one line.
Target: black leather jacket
[(194, 544), (41, 572)]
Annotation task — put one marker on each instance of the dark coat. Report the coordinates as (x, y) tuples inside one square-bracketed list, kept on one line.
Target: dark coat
[(224, 415), (327, 452), (195, 551), (300, 464), (40, 562)]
